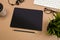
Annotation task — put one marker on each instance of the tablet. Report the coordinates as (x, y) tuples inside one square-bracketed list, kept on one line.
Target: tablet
[(27, 19)]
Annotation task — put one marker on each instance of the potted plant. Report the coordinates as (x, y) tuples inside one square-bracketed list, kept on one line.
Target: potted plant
[(54, 25)]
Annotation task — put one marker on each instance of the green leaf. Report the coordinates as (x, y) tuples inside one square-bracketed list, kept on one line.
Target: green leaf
[(49, 31), (53, 31), (57, 29), (58, 34)]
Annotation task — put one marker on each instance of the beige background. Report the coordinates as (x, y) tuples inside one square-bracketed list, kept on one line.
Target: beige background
[(7, 33)]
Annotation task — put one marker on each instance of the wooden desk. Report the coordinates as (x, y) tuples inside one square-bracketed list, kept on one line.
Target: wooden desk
[(7, 33)]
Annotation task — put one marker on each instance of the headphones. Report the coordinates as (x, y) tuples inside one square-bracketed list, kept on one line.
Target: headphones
[(17, 2)]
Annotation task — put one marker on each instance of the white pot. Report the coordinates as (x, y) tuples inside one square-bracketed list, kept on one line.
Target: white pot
[(54, 37)]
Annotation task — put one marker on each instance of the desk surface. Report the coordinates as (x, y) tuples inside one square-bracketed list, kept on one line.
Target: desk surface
[(7, 33)]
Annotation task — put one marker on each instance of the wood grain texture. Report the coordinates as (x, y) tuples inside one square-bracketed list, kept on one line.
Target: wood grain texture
[(7, 33)]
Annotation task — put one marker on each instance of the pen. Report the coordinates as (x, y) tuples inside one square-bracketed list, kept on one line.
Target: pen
[(24, 31)]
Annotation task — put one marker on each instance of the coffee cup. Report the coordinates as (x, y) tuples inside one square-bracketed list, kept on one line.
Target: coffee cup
[(2, 10)]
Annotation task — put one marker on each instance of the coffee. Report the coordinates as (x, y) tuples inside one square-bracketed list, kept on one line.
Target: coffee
[(1, 7), (2, 10)]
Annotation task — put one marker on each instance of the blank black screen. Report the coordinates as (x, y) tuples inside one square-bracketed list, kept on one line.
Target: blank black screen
[(27, 19)]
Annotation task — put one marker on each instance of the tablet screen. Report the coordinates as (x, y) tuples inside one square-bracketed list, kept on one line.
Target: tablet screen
[(27, 18)]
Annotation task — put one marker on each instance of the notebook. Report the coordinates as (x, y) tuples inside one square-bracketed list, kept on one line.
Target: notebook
[(48, 3), (27, 19)]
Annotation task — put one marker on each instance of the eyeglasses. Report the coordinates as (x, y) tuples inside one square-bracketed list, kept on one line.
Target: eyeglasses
[(48, 11)]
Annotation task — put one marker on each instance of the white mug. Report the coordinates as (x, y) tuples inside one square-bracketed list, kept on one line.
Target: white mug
[(2, 10)]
